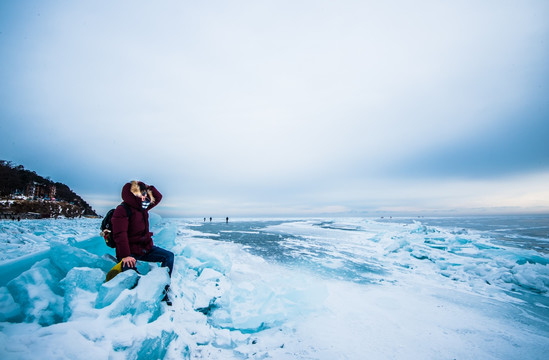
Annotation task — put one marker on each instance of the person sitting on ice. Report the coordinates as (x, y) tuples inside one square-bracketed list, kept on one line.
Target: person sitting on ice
[(131, 234)]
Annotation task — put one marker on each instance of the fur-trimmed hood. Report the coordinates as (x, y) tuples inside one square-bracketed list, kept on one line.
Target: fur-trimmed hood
[(131, 194), (137, 188)]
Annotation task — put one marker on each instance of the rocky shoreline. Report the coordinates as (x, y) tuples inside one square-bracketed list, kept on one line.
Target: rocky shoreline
[(40, 209)]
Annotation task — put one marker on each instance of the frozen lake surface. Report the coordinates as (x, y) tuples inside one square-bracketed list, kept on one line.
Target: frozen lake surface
[(341, 288)]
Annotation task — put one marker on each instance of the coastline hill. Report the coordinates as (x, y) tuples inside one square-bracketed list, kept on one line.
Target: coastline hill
[(25, 194)]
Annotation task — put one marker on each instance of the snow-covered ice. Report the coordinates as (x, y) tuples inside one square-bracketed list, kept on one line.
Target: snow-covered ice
[(455, 288)]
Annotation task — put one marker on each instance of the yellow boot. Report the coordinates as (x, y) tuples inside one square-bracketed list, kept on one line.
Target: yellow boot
[(116, 269)]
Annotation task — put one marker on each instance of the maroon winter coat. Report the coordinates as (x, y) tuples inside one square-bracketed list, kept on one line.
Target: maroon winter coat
[(133, 237)]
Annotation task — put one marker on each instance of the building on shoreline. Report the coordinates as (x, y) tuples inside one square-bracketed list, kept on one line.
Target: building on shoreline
[(36, 190)]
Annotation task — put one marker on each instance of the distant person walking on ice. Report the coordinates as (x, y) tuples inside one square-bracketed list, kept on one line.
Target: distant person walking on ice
[(132, 236)]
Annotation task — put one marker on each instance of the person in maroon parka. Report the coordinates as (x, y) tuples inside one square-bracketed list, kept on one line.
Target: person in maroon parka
[(132, 236)]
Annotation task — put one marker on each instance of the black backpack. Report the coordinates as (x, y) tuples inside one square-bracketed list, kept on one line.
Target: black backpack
[(106, 225)]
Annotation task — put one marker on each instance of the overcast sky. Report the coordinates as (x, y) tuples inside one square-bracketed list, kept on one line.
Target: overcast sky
[(283, 108)]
